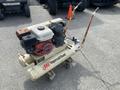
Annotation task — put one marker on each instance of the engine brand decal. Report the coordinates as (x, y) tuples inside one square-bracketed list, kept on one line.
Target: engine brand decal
[(61, 56), (45, 66)]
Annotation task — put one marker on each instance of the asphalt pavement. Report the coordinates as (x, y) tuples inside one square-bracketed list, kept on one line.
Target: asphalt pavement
[(96, 68)]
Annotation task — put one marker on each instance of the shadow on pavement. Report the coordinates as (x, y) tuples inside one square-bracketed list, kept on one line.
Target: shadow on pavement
[(64, 80)]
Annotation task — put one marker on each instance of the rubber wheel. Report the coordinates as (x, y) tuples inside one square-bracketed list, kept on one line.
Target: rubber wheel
[(1, 15), (27, 11), (88, 3), (83, 5), (68, 63), (52, 7)]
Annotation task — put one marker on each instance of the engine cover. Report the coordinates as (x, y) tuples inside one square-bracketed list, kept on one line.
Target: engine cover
[(42, 33)]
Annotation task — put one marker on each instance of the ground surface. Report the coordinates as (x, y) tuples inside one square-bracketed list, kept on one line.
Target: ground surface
[(102, 48)]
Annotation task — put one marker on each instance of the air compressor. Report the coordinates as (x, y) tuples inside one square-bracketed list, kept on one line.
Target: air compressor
[(46, 47)]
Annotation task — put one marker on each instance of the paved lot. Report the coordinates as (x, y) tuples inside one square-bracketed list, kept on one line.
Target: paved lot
[(102, 48)]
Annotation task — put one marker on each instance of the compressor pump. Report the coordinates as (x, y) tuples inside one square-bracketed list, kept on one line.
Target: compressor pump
[(46, 47)]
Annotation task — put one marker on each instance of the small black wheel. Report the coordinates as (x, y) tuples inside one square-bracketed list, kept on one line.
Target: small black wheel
[(83, 5), (27, 11), (51, 75), (88, 3), (52, 6), (68, 63), (1, 15)]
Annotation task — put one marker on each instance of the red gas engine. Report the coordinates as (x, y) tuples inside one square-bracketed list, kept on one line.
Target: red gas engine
[(41, 40)]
